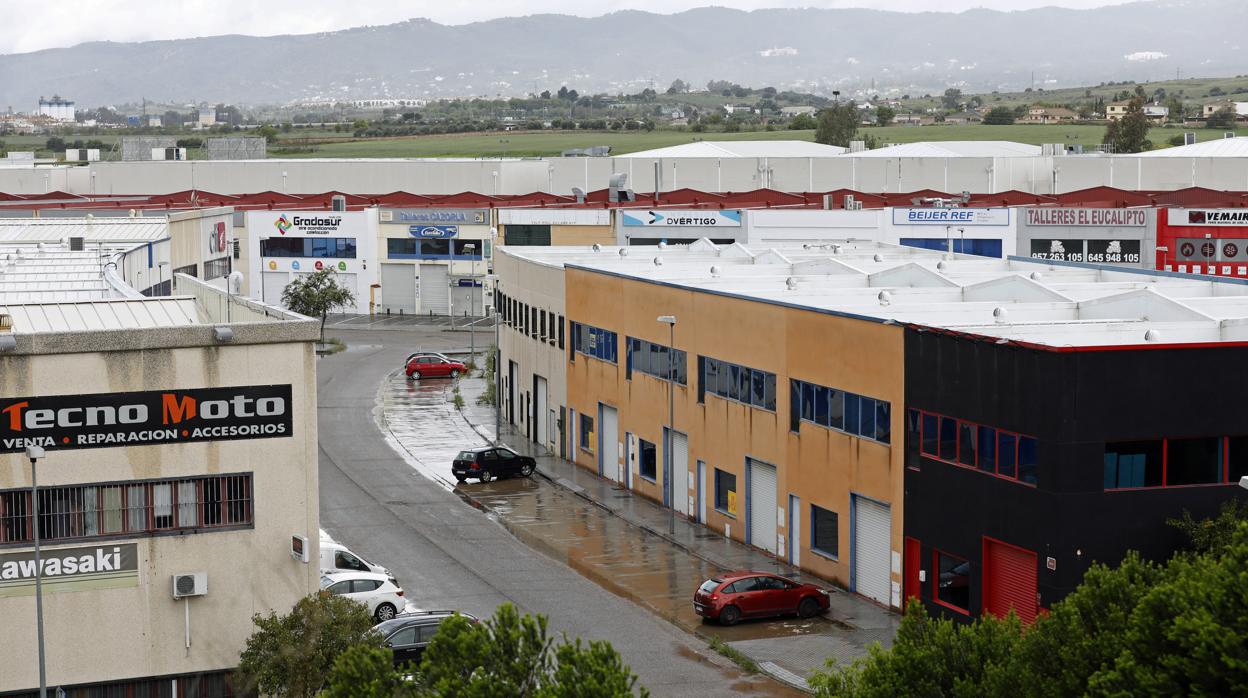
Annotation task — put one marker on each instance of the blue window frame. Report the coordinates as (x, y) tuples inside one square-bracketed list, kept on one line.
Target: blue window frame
[(840, 410), (739, 383)]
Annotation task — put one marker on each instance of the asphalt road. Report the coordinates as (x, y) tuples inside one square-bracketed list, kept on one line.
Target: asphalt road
[(449, 555)]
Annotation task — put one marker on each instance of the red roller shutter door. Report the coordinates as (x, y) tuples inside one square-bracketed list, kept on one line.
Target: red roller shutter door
[(1009, 580)]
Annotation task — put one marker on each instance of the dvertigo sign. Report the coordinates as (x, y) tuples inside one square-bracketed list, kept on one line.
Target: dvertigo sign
[(1108, 217), (100, 420), (683, 219), (104, 566), (951, 216)]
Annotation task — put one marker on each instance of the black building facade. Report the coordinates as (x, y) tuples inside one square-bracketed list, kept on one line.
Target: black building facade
[(1025, 464)]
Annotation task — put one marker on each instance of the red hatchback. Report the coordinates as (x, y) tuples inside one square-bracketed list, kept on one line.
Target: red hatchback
[(731, 596), (433, 366)]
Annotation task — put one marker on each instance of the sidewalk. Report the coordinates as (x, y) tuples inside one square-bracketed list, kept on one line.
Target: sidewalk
[(856, 623)]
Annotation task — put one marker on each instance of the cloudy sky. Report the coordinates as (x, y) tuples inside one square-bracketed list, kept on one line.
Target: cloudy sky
[(38, 24)]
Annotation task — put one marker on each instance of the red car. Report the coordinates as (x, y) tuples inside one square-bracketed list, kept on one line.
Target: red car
[(731, 596), (433, 366)]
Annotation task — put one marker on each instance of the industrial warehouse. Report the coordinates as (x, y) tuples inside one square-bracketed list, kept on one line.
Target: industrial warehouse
[(172, 429), (829, 402)]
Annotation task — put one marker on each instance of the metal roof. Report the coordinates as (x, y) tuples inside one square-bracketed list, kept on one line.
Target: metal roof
[(101, 315), (1217, 148), (1017, 299), (952, 149), (741, 149), (92, 230)]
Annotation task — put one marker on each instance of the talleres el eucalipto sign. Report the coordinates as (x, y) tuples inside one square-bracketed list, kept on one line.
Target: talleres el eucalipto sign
[(101, 420)]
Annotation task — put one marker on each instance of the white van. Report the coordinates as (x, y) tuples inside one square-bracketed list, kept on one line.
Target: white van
[(336, 557)]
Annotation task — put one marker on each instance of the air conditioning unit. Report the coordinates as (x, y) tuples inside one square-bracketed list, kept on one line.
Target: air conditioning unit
[(76, 244), (193, 584)]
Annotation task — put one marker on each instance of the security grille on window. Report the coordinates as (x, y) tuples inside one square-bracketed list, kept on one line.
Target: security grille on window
[(143, 507), (216, 268)]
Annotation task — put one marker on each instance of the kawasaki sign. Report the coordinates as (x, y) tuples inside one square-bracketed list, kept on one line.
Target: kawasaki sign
[(99, 420), (104, 566)]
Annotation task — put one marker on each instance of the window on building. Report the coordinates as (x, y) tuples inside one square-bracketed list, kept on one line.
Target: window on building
[(1134, 464), (1027, 460), (401, 248), (529, 235), (968, 441), (533, 323), (143, 507), (931, 435), (587, 432), (648, 464), (953, 581), (656, 360), (317, 247), (836, 409), (1236, 458), (561, 332), (1192, 461), (542, 328), (216, 268), (824, 534), (725, 492), (593, 341), (987, 449), (949, 439), (735, 382)]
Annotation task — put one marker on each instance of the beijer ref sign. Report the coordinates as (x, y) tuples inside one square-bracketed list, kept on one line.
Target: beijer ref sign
[(98, 420)]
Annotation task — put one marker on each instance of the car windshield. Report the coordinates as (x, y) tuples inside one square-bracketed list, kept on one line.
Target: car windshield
[(466, 455), (325, 581), (710, 585)]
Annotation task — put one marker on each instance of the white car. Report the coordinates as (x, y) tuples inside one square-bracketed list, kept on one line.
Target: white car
[(379, 592)]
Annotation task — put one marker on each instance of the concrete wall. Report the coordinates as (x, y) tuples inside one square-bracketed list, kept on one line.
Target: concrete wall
[(540, 286), (821, 466), (1039, 175), (107, 634)]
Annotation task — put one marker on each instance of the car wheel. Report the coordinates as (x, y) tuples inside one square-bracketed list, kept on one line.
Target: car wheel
[(486, 476), (454, 373), (808, 608), (729, 615), (526, 470), (385, 612), (415, 376), (460, 479)]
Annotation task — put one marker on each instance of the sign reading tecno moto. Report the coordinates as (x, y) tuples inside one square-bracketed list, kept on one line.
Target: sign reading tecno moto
[(104, 566), (682, 219), (1104, 217), (951, 216), (100, 420)]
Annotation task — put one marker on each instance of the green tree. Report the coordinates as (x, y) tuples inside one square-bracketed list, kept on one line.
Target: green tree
[(1130, 133), (678, 86), (884, 115), (837, 125), (951, 99), (999, 116), (802, 122), (512, 655), (292, 655), (317, 295), (366, 671), (1223, 118), (1212, 535), (267, 132)]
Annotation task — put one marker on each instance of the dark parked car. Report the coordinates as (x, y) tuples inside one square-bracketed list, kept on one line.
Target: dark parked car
[(731, 596), (410, 633), (488, 462), (433, 366)]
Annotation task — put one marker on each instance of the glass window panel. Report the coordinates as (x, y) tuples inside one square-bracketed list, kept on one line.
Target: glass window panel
[(724, 484), (162, 505), (1191, 461), (949, 439), (682, 367), (968, 441), (743, 385), (821, 406), (824, 535), (931, 435), (587, 432), (112, 519), (808, 401), (90, 511), (658, 361), (758, 396), (988, 449), (795, 405), (136, 507), (883, 421), (734, 385), (188, 507), (866, 417), (836, 408), (1007, 454), (1236, 458), (953, 586), (769, 393), (851, 413), (1027, 459), (648, 460), (724, 385)]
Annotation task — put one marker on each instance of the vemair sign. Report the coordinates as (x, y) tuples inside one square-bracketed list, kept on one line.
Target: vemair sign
[(683, 219), (951, 216), (100, 420), (104, 566), (1108, 217), (1203, 216)]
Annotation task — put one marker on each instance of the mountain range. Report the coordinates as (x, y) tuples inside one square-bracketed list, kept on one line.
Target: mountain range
[(820, 50)]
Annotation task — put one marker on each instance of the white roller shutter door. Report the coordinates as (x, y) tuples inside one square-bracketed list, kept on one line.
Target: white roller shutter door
[(272, 285), (872, 535), (608, 443), (763, 509), (398, 288), (680, 472), (539, 433), (434, 293)]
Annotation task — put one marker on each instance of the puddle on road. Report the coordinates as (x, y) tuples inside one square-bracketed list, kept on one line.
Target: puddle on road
[(623, 559)]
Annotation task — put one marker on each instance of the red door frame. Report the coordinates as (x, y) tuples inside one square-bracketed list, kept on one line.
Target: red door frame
[(911, 586)]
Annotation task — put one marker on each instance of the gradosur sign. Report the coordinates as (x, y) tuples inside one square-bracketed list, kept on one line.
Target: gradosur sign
[(99, 420)]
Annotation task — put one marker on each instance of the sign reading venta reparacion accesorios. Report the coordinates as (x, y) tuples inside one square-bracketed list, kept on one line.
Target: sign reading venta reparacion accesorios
[(104, 566), (100, 420)]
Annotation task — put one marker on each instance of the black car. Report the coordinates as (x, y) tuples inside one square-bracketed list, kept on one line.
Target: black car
[(488, 462), (408, 634)]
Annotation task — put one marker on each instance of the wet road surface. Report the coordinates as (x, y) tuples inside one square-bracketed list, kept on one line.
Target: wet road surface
[(447, 554), (622, 558)]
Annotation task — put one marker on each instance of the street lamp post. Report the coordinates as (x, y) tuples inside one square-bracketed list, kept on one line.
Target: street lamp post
[(34, 453), (472, 331), (670, 321)]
